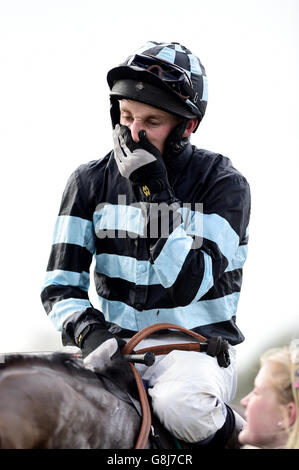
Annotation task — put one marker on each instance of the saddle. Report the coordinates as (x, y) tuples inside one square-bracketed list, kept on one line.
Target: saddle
[(151, 428)]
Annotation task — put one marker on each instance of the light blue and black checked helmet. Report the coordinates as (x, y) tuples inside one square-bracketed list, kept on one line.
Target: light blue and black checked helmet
[(165, 75)]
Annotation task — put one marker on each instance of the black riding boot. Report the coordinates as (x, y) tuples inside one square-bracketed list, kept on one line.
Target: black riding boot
[(227, 436), (233, 441)]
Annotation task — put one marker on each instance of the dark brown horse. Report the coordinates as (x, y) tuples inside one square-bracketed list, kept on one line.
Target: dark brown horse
[(53, 402)]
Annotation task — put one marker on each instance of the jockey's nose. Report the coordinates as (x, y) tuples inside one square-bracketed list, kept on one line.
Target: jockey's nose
[(135, 128)]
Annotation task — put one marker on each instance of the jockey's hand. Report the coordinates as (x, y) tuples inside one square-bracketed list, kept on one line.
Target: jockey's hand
[(140, 162), (101, 350), (94, 336), (100, 358)]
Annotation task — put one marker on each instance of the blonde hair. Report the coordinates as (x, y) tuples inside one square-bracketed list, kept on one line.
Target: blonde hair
[(284, 378)]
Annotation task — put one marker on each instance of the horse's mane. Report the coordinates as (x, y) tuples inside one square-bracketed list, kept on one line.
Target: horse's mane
[(118, 376), (53, 360)]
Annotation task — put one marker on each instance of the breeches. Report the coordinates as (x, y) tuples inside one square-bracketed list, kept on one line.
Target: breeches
[(189, 389)]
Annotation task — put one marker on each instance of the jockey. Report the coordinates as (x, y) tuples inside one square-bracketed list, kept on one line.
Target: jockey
[(166, 223)]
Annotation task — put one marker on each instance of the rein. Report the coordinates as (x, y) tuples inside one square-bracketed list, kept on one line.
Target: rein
[(162, 349)]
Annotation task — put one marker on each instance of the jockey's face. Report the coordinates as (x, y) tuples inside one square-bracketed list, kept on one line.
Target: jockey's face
[(157, 123)]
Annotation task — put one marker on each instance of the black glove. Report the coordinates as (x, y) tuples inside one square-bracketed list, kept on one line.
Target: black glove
[(93, 336), (140, 162)]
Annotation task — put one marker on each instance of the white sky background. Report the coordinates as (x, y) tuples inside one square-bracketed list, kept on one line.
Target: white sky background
[(54, 115)]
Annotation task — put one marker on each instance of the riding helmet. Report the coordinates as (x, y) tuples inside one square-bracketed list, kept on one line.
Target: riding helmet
[(164, 75)]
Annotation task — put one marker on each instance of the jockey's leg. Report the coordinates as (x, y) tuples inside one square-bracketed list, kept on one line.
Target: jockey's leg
[(189, 392)]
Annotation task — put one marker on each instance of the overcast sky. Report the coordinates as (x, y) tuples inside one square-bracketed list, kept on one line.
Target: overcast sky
[(54, 115)]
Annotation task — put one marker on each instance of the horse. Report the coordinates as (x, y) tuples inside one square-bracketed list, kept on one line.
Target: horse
[(54, 402)]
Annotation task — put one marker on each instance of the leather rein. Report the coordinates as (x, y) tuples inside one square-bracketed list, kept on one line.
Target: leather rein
[(145, 428)]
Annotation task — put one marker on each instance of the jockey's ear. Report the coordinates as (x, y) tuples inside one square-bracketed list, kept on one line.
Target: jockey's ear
[(191, 125)]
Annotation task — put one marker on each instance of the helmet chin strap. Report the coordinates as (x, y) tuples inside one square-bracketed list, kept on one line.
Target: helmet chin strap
[(175, 142)]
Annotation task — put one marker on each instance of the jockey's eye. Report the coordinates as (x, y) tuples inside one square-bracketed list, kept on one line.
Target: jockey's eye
[(153, 122), (127, 117)]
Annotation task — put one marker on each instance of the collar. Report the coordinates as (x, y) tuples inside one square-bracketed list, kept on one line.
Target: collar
[(177, 162)]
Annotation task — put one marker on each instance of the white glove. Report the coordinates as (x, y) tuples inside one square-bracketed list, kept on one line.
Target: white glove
[(129, 159), (140, 162), (100, 358)]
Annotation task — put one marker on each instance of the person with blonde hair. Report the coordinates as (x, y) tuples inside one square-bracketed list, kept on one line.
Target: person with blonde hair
[(272, 407)]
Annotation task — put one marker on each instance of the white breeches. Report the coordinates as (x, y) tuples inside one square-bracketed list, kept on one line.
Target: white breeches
[(189, 389)]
